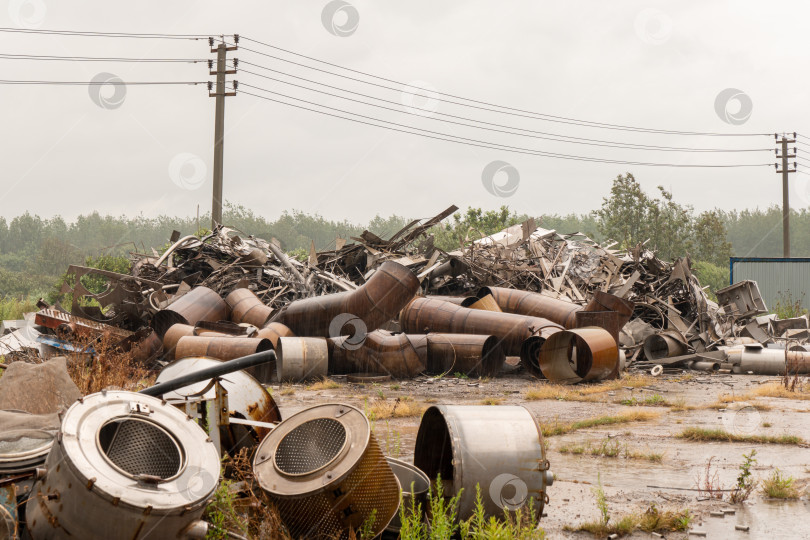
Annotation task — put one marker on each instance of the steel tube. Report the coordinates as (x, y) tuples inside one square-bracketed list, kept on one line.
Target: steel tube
[(534, 304), (227, 348), (199, 304), (301, 359), (210, 373), (520, 335), (592, 351), (246, 307), (666, 344), (378, 301)]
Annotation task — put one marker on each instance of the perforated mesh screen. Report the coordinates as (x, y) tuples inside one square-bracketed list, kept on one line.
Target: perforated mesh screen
[(139, 447), (310, 446)]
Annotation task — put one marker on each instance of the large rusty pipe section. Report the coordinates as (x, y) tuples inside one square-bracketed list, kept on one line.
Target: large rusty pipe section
[(273, 331), (227, 348), (520, 335), (246, 307), (475, 355), (581, 354), (379, 300), (665, 344), (199, 304), (534, 304)]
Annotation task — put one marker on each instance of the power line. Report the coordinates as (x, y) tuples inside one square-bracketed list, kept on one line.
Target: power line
[(124, 83), (538, 134), (4, 56), (104, 34), (508, 110), (469, 141)]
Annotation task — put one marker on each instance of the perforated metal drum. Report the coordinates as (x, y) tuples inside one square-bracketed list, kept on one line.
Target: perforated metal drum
[(326, 474)]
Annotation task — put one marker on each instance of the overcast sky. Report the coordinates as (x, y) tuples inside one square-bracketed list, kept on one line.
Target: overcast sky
[(149, 150)]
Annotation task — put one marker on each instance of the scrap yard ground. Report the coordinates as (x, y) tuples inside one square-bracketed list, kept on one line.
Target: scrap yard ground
[(650, 463)]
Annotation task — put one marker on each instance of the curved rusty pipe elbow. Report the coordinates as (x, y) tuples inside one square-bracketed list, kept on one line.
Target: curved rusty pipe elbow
[(534, 304), (519, 335), (379, 300)]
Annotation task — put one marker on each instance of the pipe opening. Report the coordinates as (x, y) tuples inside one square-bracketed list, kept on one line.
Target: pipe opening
[(656, 347), (530, 355), (140, 447), (434, 451), (310, 446)]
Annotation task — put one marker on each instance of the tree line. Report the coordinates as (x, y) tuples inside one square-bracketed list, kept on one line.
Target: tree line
[(35, 251)]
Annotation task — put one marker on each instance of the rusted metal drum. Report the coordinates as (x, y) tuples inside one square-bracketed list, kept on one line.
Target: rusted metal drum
[(227, 348), (198, 304), (562, 312), (300, 359), (581, 354), (325, 472), (246, 307), (124, 464), (498, 448), (246, 399)]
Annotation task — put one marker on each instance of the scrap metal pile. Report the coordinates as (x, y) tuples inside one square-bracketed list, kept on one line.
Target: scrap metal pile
[(221, 317)]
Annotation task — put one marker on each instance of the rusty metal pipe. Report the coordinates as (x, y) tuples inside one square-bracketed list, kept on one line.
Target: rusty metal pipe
[(592, 351), (273, 331), (426, 315), (227, 348), (475, 355), (534, 304), (665, 344), (379, 300), (246, 307), (199, 304), (301, 358)]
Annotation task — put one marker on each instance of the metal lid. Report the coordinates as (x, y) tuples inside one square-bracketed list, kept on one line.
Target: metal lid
[(23, 444), (312, 450)]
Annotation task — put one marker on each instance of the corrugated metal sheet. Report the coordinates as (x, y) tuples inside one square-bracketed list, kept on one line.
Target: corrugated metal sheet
[(775, 277)]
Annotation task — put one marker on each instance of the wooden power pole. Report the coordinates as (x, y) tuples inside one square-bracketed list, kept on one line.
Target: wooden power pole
[(786, 170), (219, 121)]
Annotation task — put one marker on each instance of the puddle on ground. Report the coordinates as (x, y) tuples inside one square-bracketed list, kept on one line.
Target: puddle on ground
[(774, 520)]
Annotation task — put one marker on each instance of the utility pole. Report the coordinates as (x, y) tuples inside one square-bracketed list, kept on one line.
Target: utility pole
[(219, 120), (786, 170)]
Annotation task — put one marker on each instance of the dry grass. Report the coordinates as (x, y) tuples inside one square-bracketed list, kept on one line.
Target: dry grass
[(324, 384), (610, 448), (289, 391), (382, 409), (110, 368), (724, 401), (777, 390), (492, 401), (585, 392), (651, 520), (555, 428), (704, 435)]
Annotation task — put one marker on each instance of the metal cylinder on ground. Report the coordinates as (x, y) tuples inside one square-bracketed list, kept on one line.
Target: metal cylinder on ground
[(324, 471), (227, 348), (124, 464), (562, 312), (664, 344), (609, 320), (414, 484), (199, 304), (497, 448), (474, 355), (246, 307), (581, 354), (426, 315), (702, 365), (300, 359)]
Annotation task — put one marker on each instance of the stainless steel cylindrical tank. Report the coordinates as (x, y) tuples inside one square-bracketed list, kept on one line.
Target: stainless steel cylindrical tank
[(301, 358), (497, 448), (124, 465)]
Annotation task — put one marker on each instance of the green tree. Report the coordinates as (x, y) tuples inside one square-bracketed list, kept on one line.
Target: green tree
[(475, 223), (711, 239), (625, 214)]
